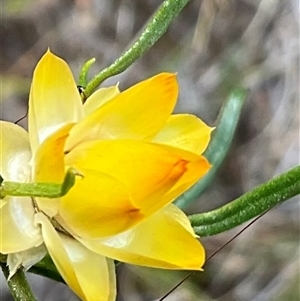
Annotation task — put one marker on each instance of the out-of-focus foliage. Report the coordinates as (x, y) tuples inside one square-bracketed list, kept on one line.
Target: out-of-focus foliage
[(213, 45)]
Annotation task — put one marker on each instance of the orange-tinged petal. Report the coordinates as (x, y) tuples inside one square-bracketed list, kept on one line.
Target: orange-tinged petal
[(49, 159), (195, 168), (97, 206), (195, 171), (147, 170), (48, 166), (186, 132), (89, 275), (99, 98), (163, 240), (54, 99), (137, 113), (15, 153), (17, 229)]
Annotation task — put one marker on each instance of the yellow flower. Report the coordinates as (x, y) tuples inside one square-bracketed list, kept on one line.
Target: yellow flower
[(135, 158)]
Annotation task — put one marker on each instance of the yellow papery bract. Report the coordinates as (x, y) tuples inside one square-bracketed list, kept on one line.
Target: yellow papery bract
[(198, 167), (95, 273), (147, 170), (17, 230), (49, 166), (99, 98), (15, 152), (90, 275), (133, 158), (54, 99), (49, 163), (175, 213), (137, 113), (163, 240), (185, 132), (105, 210)]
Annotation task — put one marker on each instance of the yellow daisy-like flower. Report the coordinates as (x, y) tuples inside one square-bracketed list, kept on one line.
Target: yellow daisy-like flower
[(135, 158)]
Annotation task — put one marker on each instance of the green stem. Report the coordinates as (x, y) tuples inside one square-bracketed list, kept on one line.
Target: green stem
[(47, 190), (153, 31), (18, 285), (45, 268), (249, 205)]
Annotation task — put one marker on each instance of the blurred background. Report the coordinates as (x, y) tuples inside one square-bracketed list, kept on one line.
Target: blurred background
[(214, 45)]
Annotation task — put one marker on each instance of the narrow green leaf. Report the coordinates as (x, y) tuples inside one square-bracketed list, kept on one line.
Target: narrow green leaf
[(249, 205), (219, 145)]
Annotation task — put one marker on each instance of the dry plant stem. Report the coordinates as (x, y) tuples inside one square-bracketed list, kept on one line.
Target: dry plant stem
[(152, 32), (249, 205), (18, 285)]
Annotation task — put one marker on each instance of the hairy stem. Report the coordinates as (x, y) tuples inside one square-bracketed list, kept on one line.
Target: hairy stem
[(249, 205), (150, 35), (18, 285)]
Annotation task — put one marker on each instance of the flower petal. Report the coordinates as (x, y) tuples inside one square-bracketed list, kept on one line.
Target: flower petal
[(97, 206), (15, 153), (196, 169), (178, 215), (186, 132), (49, 159), (54, 99), (154, 174), (48, 166), (89, 275), (99, 98), (17, 229), (164, 240), (125, 115)]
